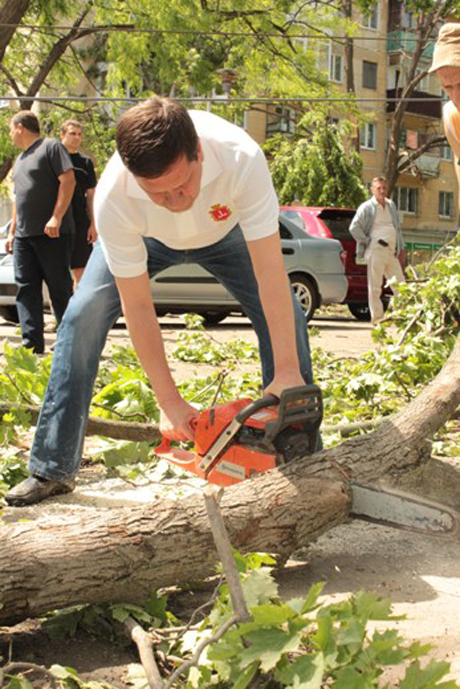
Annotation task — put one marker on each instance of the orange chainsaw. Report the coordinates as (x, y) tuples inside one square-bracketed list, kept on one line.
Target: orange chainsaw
[(237, 440)]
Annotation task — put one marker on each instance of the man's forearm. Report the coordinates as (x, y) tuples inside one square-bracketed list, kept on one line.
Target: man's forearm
[(276, 299), (64, 196)]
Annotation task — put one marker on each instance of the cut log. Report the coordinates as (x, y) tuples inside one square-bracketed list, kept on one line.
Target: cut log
[(122, 554)]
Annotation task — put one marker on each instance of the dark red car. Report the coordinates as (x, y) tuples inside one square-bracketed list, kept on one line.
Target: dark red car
[(335, 222)]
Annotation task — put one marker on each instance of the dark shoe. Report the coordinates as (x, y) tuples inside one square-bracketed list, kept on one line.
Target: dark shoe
[(35, 489)]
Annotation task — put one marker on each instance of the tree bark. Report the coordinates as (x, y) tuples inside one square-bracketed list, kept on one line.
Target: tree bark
[(122, 554), (120, 430), (11, 13)]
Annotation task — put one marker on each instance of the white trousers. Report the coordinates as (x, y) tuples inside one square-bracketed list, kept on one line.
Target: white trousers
[(381, 262)]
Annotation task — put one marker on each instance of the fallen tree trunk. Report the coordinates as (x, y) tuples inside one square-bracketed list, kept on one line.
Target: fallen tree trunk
[(122, 554)]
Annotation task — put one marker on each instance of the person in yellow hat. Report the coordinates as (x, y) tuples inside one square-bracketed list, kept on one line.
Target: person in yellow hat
[(446, 65)]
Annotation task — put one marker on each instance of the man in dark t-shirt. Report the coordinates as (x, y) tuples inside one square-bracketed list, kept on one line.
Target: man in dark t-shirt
[(42, 226), (82, 201)]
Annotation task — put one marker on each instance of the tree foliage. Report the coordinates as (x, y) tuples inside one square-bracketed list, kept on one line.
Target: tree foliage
[(175, 48), (426, 17), (316, 168)]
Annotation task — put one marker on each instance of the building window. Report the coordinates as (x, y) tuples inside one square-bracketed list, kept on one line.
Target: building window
[(369, 75), (281, 120), (409, 138), (407, 19), (445, 152), (336, 68), (406, 199), (371, 21), (446, 204), (367, 136)]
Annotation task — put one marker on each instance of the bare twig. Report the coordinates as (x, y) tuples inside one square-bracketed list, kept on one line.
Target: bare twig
[(200, 648), (346, 430), (144, 646), (23, 395), (220, 379), (131, 415), (29, 668), (413, 320), (439, 252), (212, 495), (404, 386), (188, 626), (129, 430)]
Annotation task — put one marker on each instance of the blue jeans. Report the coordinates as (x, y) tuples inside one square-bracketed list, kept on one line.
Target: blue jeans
[(58, 442)]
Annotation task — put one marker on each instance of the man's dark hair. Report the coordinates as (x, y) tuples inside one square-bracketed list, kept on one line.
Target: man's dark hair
[(28, 119), (69, 123), (153, 135)]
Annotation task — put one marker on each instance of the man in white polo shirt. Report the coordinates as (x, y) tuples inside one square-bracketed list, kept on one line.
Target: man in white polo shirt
[(379, 240), (182, 187)]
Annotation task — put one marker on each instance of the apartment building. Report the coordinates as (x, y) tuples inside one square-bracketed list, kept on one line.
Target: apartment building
[(426, 194)]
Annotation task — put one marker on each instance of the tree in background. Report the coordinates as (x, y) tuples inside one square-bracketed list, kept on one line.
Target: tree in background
[(177, 48), (316, 168), (427, 15)]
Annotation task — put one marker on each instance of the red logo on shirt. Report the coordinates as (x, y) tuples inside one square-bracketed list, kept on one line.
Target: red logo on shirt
[(219, 212)]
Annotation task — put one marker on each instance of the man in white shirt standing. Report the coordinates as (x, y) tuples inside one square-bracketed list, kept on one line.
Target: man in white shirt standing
[(183, 187), (378, 235)]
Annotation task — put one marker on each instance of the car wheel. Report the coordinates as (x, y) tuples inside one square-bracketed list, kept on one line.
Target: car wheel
[(361, 312), (305, 291), (214, 317), (9, 313)]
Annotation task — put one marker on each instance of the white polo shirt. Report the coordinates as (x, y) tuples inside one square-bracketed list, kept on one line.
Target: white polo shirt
[(236, 187)]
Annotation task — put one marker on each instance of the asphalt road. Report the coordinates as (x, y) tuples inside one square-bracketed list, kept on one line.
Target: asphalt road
[(337, 333)]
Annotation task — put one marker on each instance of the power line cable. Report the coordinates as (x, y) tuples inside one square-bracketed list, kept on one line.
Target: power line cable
[(244, 34), (226, 101)]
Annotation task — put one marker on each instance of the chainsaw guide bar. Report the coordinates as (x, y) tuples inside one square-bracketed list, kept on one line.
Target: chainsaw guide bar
[(238, 440)]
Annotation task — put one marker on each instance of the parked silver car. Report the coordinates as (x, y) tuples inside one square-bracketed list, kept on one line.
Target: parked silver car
[(8, 287), (314, 265)]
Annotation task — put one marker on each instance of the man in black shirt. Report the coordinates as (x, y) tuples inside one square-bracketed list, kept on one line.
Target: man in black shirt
[(40, 235), (83, 197)]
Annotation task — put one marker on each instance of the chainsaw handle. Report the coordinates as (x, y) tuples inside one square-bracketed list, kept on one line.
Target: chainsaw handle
[(253, 407), (165, 444)]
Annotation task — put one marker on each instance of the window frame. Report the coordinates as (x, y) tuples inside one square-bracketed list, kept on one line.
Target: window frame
[(368, 19), (368, 131), (406, 192), (445, 195), (333, 58), (374, 64)]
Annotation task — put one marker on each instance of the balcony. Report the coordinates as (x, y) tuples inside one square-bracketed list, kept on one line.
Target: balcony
[(422, 103), (404, 41)]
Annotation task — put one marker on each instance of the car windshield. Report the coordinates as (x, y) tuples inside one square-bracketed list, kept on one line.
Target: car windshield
[(337, 221)]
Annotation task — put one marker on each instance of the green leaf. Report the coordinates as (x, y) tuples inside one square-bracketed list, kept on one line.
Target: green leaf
[(349, 678), (246, 677), (268, 614), (306, 672), (18, 683), (311, 599), (268, 646), (428, 677), (259, 586)]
